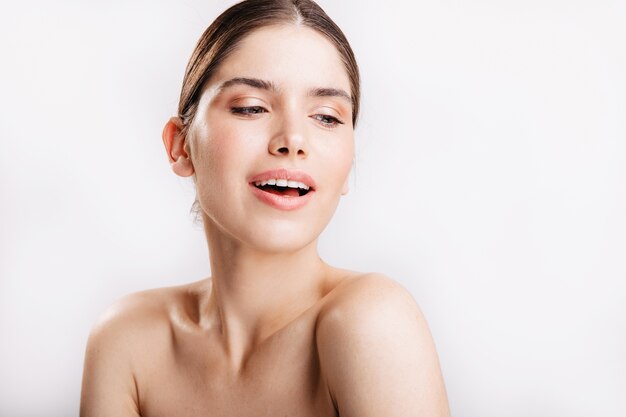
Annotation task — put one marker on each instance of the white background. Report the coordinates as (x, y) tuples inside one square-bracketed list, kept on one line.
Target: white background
[(490, 181)]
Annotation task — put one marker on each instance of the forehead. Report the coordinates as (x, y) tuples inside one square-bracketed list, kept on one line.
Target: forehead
[(291, 56)]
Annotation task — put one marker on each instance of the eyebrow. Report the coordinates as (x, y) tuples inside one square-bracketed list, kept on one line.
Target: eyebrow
[(252, 82), (270, 86), (330, 92)]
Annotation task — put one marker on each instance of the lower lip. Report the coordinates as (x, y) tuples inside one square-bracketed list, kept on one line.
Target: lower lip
[(281, 202)]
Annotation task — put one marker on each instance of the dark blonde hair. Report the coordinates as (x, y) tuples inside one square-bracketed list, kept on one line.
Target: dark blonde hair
[(228, 29)]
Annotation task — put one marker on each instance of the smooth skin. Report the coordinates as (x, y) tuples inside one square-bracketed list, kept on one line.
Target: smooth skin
[(275, 331)]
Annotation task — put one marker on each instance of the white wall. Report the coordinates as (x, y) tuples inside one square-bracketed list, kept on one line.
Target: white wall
[(490, 181)]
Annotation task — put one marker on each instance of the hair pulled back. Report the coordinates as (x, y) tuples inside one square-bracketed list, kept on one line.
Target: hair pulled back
[(221, 38)]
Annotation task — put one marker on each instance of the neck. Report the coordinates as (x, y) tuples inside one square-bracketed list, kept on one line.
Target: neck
[(256, 293)]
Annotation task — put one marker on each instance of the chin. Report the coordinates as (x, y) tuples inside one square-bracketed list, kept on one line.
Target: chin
[(266, 234), (282, 236)]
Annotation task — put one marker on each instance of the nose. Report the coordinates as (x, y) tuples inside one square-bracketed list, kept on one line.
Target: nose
[(289, 137)]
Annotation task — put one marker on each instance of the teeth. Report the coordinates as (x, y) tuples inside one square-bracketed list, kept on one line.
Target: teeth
[(301, 185), (282, 183)]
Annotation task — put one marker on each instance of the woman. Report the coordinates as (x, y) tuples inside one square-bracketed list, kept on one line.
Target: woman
[(265, 127)]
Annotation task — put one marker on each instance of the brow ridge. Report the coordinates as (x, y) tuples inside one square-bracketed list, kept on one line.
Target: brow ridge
[(270, 86), (252, 82), (330, 92)]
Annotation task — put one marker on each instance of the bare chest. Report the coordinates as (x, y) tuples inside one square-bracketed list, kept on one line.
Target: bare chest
[(192, 378)]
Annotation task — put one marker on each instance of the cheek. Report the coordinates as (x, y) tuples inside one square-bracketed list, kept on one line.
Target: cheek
[(340, 158), (222, 149)]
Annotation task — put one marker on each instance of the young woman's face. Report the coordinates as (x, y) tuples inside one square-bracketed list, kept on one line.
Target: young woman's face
[(276, 112)]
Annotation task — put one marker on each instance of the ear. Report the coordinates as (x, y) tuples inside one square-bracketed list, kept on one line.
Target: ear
[(346, 186), (174, 143)]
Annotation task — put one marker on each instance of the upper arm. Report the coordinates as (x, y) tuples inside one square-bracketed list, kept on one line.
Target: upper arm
[(377, 353), (109, 387)]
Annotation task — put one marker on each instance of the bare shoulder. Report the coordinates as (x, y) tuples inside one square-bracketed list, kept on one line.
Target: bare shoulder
[(146, 313), (377, 353), (133, 317), (357, 293), (369, 300), (124, 339)]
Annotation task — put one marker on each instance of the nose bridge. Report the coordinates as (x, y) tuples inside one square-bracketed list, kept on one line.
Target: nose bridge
[(289, 136)]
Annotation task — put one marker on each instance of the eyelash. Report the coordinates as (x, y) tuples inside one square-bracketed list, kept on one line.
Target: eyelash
[(325, 119), (328, 121), (248, 110)]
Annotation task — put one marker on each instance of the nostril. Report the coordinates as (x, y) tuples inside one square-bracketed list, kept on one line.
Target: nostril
[(283, 150)]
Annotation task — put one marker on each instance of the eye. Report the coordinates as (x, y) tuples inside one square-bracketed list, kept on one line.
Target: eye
[(327, 120), (248, 110)]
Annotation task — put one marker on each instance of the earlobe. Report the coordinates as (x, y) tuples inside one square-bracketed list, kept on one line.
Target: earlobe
[(174, 143), (346, 184), (346, 187)]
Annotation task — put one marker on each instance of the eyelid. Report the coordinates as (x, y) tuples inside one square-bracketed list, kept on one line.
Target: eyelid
[(247, 101), (338, 113), (247, 106), (248, 111), (334, 111), (332, 124)]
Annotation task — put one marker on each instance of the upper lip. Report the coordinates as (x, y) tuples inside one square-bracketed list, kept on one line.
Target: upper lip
[(285, 174)]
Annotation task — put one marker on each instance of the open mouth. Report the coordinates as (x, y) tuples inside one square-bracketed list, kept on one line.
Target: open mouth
[(282, 187)]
